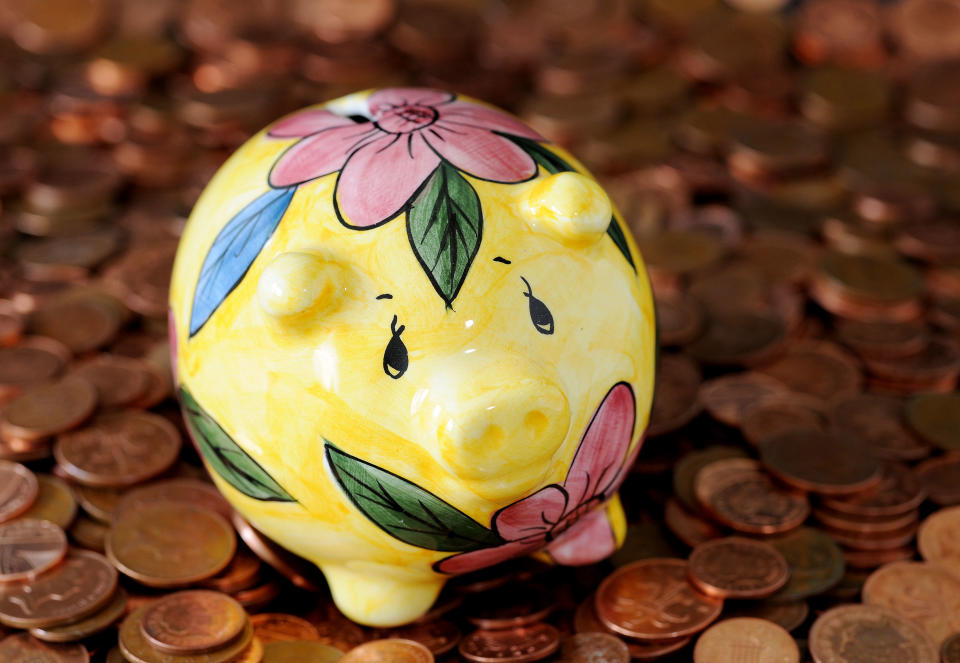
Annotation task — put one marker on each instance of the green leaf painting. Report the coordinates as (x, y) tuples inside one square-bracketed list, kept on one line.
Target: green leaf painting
[(226, 457), (444, 224), (404, 509), (553, 164)]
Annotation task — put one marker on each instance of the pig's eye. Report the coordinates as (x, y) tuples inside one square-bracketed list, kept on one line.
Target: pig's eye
[(395, 360), (540, 315)]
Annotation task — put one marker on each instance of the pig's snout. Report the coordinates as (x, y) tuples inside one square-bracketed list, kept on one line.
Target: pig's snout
[(496, 426)]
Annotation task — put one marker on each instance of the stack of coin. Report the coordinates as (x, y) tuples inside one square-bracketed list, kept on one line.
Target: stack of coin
[(790, 173)]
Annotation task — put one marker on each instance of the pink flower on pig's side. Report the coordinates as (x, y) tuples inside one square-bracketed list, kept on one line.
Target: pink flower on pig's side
[(568, 519), (384, 162)]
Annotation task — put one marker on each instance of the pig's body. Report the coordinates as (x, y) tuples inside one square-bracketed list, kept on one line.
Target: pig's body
[(401, 393)]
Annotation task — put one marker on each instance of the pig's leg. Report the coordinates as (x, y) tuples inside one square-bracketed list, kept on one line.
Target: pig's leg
[(375, 595)]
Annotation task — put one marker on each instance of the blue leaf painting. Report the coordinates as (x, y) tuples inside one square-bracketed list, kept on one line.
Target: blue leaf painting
[(234, 250)]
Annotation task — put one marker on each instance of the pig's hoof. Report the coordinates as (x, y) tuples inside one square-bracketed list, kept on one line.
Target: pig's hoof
[(373, 599)]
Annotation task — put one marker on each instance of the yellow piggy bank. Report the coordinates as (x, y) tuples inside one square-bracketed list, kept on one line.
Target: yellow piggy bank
[(413, 340)]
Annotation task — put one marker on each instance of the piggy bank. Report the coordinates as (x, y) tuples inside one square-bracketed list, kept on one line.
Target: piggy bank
[(412, 339)]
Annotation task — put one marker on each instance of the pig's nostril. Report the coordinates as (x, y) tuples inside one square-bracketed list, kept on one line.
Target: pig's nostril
[(493, 437), (536, 423)]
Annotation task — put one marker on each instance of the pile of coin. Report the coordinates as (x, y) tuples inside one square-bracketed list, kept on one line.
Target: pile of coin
[(791, 173)]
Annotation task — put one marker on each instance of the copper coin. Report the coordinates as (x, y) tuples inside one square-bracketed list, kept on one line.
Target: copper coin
[(738, 494), (864, 525), (850, 633), (119, 381), (119, 449), (25, 649), (389, 651), (770, 417), (679, 319), (950, 651), (291, 651), (736, 567), (814, 560), (184, 491), (49, 409), (652, 599), (585, 620), (877, 422), (136, 648), (23, 365), (675, 402), (82, 321), (746, 638), (295, 569), (99, 503), (275, 627), (688, 526), (788, 614), (28, 547), (808, 459), (242, 573), (439, 635), (192, 622), (936, 418), (685, 471), (170, 545), (335, 629), (939, 538), (593, 648), (738, 338), (55, 502), (820, 371), (898, 492), (89, 625), (727, 397), (864, 560), (892, 540), (77, 587), (939, 478), (514, 604), (517, 645), (254, 653), (18, 489), (922, 593)]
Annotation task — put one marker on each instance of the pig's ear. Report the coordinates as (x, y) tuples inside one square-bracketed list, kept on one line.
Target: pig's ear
[(296, 282), (570, 206)]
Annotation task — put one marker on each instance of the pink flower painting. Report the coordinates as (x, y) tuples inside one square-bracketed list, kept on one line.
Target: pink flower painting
[(569, 519), (385, 161)]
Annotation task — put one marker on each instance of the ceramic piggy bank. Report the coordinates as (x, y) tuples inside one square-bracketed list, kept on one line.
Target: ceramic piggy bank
[(413, 340)]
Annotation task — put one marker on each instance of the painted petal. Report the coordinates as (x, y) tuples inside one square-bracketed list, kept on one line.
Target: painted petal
[(478, 559), (306, 123), (532, 515), (479, 152), (588, 540), (602, 449), (399, 96), (491, 119), (319, 154), (624, 469), (379, 179)]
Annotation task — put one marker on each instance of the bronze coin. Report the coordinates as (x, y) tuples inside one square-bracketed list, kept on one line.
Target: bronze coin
[(254, 653), (49, 409), (675, 401), (28, 547), (77, 587), (950, 651), (24, 365), (119, 381), (275, 627), (18, 489), (585, 620), (55, 502), (818, 370), (936, 419), (98, 502), (736, 567), (593, 648), (295, 651), (939, 478), (242, 573), (389, 651), (867, 560), (184, 491), (688, 526), (770, 417), (808, 459), (788, 614), (679, 319), (119, 449), (192, 622), (893, 540), (82, 320), (727, 397), (746, 638), (88, 533), (88, 626), (685, 471), (737, 493), (868, 633), (939, 538), (738, 338), (439, 635), (876, 421), (652, 599), (517, 645), (170, 545), (301, 573), (26, 649), (335, 629), (835, 520), (136, 648), (898, 492), (514, 604), (814, 560), (922, 593)]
